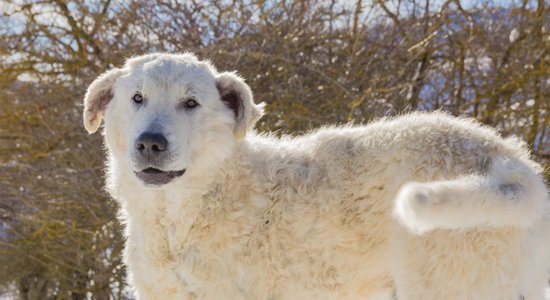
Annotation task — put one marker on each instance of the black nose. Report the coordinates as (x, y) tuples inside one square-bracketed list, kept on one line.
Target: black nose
[(151, 144)]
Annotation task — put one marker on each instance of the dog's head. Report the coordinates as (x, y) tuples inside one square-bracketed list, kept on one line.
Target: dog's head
[(169, 114)]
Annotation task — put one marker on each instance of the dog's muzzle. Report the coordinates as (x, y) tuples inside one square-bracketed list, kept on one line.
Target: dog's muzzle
[(152, 153), (152, 176)]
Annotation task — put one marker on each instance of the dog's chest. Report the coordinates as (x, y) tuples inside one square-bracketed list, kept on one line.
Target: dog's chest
[(217, 260), (250, 257)]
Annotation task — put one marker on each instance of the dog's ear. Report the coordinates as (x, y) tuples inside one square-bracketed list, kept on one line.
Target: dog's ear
[(98, 96), (237, 96)]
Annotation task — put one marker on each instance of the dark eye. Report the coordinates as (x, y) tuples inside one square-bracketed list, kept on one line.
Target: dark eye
[(190, 103), (138, 98)]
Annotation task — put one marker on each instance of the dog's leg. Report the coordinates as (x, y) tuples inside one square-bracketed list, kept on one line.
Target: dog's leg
[(536, 265), (466, 264), (474, 237)]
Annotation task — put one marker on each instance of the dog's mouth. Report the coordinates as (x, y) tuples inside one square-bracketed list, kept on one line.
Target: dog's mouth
[(152, 176)]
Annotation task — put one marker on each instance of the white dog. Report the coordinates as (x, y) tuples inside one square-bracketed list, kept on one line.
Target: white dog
[(423, 206)]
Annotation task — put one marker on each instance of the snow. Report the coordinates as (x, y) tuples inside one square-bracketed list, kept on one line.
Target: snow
[(514, 35)]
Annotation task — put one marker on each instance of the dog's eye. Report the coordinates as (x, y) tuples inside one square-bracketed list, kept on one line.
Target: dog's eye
[(138, 98), (190, 103)]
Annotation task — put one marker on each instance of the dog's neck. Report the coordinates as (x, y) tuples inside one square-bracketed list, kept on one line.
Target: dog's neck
[(177, 204)]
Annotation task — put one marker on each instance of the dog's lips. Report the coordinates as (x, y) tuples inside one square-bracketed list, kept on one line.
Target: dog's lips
[(152, 176)]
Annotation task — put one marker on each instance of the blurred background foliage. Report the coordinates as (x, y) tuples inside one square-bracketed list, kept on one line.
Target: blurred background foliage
[(313, 62)]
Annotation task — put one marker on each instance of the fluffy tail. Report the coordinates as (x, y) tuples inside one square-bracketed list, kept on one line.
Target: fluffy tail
[(510, 194)]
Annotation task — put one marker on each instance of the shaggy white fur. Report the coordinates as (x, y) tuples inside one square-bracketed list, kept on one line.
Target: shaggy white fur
[(422, 206)]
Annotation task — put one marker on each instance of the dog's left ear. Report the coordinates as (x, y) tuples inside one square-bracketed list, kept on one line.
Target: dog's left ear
[(237, 95)]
